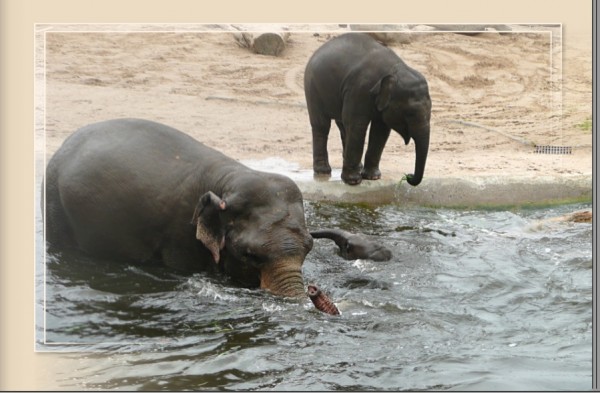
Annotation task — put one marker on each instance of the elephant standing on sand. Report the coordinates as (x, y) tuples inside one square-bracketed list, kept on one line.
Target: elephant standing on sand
[(357, 81)]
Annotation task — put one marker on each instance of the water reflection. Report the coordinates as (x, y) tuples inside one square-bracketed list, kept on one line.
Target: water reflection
[(471, 300)]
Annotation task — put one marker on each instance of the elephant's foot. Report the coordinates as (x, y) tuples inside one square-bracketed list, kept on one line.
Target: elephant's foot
[(321, 177), (371, 174), (321, 301), (351, 178), (321, 168)]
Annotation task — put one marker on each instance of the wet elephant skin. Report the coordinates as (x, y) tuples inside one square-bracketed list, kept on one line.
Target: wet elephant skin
[(353, 246), (139, 191)]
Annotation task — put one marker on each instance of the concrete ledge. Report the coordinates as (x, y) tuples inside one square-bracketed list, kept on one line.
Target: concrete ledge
[(477, 191), (484, 191)]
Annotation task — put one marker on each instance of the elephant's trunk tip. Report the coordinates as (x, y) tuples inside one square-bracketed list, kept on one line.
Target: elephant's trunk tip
[(413, 180), (421, 148), (321, 301)]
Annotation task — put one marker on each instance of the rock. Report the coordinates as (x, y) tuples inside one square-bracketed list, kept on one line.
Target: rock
[(387, 34), (471, 29), (269, 43)]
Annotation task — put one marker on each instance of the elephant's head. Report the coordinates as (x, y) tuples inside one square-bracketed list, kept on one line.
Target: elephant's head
[(402, 98), (256, 232)]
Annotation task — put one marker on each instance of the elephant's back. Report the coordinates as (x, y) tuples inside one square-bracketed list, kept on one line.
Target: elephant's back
[(118, 184), (134, 145), (346, 50), (134, 137)]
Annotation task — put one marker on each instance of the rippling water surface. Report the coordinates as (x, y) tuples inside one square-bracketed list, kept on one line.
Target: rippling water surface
[(471, 300)]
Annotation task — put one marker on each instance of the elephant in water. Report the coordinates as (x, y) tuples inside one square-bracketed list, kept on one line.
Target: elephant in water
[(354, 246), (357, 81), (140, 191)]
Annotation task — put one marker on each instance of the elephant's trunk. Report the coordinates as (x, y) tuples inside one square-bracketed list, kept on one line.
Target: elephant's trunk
[(283, 278), (421, 148), (337, 235)]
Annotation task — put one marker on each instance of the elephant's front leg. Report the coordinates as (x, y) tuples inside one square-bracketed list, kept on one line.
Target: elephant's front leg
[(342, 129), (320, 134), (378, 137), (353, 151)]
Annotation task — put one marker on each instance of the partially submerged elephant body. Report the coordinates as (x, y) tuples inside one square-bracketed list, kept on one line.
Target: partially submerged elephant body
[(356, 81), (354, 246), (131, 189)]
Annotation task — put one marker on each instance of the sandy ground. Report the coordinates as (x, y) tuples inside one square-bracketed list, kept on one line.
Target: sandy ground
[(494, 95)]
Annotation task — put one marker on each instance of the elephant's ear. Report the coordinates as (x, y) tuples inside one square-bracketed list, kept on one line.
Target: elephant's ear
[(382, 91), (209, 229)]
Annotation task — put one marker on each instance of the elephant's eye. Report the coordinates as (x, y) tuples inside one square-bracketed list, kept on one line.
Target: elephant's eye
[(250, 256)]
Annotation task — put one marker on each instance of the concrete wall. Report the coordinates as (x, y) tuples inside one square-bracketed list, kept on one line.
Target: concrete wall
[(456, 192)]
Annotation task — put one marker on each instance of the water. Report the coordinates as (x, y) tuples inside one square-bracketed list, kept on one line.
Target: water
[(472, 300)]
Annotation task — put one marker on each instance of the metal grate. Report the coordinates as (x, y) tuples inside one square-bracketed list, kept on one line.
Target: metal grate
[(553, 149)]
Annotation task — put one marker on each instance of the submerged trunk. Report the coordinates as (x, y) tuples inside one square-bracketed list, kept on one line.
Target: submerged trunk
[(421, 149), (337, 235), (283, 278)]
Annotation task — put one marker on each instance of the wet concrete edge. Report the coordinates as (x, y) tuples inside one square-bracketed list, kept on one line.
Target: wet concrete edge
[(474, 192)]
